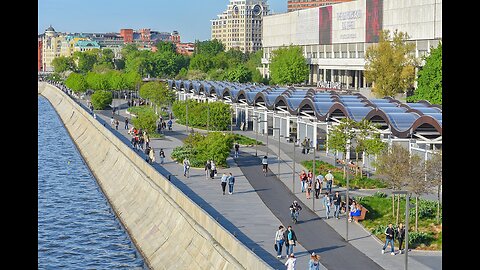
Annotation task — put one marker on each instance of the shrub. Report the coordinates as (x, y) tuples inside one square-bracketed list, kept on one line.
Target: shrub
[(198, 114), (416, 239), (426, 209), (146, 119), (101, 99)]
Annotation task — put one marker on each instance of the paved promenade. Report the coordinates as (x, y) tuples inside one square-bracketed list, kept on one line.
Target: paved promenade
[(253, 213)]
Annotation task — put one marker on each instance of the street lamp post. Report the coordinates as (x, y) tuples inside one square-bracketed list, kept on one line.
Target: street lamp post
[(208, 116), (313, 171), (256, 132), (278, 156), (263, 121), (293, 174), (186, 110), (407, 215)]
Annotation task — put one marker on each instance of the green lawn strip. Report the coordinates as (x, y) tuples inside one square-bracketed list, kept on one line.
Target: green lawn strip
[(355, 182), (429, 236)]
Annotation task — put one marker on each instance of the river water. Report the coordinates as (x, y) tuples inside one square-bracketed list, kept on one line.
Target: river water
[(77, 229)]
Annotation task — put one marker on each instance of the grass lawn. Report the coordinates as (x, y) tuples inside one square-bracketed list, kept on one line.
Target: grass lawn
[(380, 214), (244, 140), (355, 182)]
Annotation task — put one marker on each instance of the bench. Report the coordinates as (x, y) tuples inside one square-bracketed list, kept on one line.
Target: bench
[(362, 214)]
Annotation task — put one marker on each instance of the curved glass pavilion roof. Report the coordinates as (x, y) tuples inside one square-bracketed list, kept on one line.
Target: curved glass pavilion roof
[(401, 118)]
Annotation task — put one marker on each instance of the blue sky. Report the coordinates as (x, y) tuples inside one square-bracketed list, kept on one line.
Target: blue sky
[(191, 18)]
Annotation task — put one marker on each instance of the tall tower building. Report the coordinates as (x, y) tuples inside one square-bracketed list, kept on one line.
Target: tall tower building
[(304, 4), (240, 26)]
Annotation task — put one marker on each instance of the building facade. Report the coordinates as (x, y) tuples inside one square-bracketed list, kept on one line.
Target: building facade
[(334, 38), (240, 26), (304, 4), (39, 60)]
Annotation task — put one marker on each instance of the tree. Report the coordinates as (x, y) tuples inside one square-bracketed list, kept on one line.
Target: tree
[(101, 99), (239, 74), (85, 61), (288, 66), (76, 82), (132, 79), (201, 62), (390, 64), (165, 46), (62, 63), (97, 81), (209, 47), (116, 80), (393, 165), (146, 120), (429, 80), (416, 182), (158, 93), (367, 140), (434, 176), (341, 136)]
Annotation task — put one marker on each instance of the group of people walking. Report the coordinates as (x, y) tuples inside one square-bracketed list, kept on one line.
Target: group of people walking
[(307, 184), (392, 233)]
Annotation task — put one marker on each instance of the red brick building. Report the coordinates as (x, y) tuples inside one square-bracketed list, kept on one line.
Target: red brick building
[(127, 35), (185, 48)]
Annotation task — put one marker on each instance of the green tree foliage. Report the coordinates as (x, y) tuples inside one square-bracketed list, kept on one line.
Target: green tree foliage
[(146, 120), (238, 74), (201, 62), (182, 74), (85, 60), (97, 81), (288, 66), (116, 80), (132, 78), (76, 82), (199, 114), (158, 93), (61, 64), (390, 64), (195, 74), (101, 99), (165, 46), (429, 80), (209, 47)]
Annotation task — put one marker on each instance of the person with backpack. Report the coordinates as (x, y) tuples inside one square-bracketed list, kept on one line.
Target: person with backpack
[(389, 233), (162, 156), (231, 182)]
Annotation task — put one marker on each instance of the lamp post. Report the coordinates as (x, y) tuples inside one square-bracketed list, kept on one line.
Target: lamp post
[(256, 132), (278, 156), (313, 171), (186, 109), (407, 215), (208, 116), (263, 121)]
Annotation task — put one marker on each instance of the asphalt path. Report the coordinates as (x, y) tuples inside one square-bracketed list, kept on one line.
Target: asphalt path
[(311, 231)]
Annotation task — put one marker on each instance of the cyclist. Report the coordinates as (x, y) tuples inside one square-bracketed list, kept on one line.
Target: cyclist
[(295, 211), (265, 165)]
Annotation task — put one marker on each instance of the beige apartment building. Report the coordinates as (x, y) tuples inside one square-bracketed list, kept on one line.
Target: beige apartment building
[(240, 26)]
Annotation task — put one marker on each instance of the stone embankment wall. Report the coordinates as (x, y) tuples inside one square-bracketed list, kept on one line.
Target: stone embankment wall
[(168, 228)]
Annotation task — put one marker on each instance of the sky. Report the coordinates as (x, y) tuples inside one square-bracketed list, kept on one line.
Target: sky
[(191, 18)]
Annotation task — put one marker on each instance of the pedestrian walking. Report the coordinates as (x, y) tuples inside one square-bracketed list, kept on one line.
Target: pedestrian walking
[(151, 155), (303, 180), (309, 144), (208, 167), (389, 233), (112, 121), (279, 240), (237, 146), (314, 262), (170, 124), (304, 146), (308, 184), (116, 124), (147, 139), (213, 171), (318, 185), (147, 154), (126, 123), (329, 178), (400, 236), (223, 182), (292, 240), (186, 167), (290, 263), (162, 156), (327, 203), (231, 182), (337, 201)]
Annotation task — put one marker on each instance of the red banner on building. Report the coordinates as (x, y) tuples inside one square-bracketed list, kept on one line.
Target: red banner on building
[(374, 20), (325, 25)]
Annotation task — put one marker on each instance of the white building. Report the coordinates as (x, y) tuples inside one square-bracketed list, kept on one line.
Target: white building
[(334, 38), (240, 26)]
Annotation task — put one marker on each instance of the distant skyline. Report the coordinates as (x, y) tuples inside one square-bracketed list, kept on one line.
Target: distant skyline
[(191, 18)]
